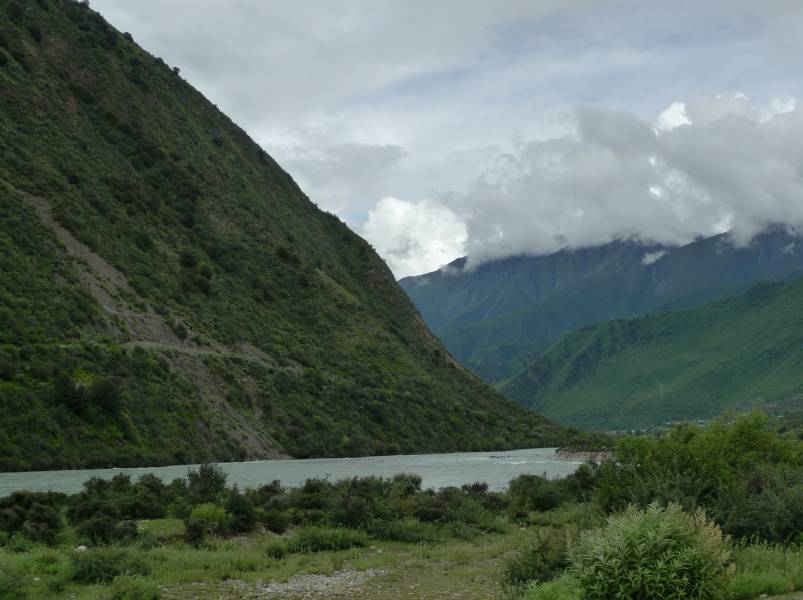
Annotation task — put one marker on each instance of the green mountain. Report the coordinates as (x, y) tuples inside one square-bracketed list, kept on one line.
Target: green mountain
[(498, 317), (168, 294), (691, 364)]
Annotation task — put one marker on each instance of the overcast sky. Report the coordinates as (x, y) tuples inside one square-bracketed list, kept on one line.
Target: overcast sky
[(438, 128)]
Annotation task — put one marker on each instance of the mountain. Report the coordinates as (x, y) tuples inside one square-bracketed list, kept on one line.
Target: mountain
[(691, 364), (168, 294), (501, 315)]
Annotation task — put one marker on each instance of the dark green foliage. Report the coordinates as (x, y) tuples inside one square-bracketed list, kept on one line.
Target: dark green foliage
[(528, 493), (657, 553), (286, 320), (745, 475), (275, 521), (544, 560), (12, 587), (102, 565), (206, 484), (131, 588), (35, 515), (317, 539), (107, 510), (241, 509)]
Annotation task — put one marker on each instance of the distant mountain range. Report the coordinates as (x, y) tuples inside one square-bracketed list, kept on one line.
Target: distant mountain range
[(498, 317), (552, 331), (693, 364)]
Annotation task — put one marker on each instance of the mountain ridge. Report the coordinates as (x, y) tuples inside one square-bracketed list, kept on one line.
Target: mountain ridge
[(169, 295), (734, 353), (506, 313)]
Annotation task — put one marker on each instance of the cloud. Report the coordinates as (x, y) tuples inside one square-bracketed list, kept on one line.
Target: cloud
[(414, 99), (673, 116), (650, 258), (413, 236), (728, 167), (343, 177)]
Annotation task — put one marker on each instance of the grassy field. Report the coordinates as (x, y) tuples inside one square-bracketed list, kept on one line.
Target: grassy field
[(242, 568)]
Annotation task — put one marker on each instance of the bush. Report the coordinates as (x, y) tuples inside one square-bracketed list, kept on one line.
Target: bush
[(534, 492), (654, 553), (276, 521), (564, 588), (11, 586), (241, 509), (102, 530), (102, 565), (410, 530), (206, 484), (134, 588), (207, 519), (317, 539), (543, 561), (33, 514), (747, 476)]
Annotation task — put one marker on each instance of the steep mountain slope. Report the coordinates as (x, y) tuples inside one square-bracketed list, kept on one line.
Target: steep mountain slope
[(690, 364), (499, 316), (168, 294)]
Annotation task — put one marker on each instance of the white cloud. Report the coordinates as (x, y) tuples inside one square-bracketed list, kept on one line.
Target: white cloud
[(413, 236), (650, 258), (413, 99), (673, 116), (619, 176)]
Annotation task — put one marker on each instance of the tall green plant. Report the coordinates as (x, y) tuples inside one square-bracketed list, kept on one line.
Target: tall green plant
[(654, 553)]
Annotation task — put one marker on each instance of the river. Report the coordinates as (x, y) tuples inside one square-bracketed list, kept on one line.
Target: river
[(437, 470)]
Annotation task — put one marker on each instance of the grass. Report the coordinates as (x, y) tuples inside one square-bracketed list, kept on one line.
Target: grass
[(464, 569), (766, 569), (163, 529)]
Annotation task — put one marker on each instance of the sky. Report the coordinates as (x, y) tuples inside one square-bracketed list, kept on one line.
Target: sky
[(442, 128)]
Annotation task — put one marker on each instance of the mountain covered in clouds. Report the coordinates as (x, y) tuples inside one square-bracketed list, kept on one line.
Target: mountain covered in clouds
[(168, 293), (498, 317), (691, 364)]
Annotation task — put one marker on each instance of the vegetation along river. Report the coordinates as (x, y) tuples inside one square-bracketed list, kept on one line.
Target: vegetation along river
[(437, 470)]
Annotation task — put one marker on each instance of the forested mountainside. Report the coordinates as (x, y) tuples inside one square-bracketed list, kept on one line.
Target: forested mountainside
[(736, 353), (168, 294), (499, 316)]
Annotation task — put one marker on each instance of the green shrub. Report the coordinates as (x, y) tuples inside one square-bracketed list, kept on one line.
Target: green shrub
[(276, 549), (102, 565), (206, 484), (102, 530), (409, 530), (133, 588), (241, 509), (275, 520), (34, 514), (542, 561), (564, 588), (654, 553), (207, 519), (318, 539), (746, 475), (11, 586), (533, 492)]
